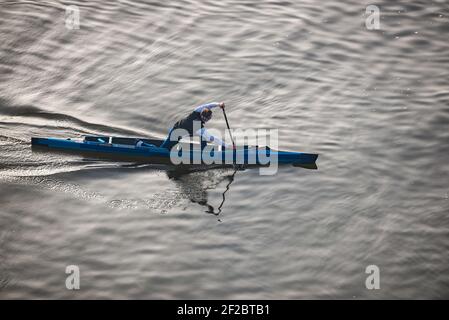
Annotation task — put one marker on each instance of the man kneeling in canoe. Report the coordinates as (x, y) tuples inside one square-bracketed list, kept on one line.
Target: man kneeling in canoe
[(200, 115)]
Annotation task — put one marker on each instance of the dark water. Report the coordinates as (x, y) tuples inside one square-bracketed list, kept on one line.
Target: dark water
[(373, 103)]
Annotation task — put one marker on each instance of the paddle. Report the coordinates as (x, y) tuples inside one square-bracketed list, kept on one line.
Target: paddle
[(227, 123)]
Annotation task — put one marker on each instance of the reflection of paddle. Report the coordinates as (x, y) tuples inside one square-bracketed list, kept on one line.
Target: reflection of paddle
[(211, 209), (231, 179), (227, 123), (191, 187)]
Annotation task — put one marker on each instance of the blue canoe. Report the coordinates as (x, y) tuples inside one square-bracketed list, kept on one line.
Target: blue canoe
[(148, 151)]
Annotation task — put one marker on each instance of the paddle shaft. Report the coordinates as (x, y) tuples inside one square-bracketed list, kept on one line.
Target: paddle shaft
[(227, 123)]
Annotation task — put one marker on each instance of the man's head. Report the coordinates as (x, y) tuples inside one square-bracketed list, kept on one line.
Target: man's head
[(206, 115)]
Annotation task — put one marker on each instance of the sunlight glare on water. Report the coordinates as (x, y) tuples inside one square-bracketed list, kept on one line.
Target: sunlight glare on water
[(372, 103)]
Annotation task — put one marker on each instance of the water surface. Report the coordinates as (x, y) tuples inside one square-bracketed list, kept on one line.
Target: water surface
[(372, 103)]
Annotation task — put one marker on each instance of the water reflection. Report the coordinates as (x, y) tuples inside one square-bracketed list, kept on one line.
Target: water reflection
[(195, 186)]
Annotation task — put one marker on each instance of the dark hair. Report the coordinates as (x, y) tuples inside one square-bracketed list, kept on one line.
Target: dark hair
[(206, 114)]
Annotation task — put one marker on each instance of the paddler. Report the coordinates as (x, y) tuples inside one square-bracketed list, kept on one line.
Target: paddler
[(194, 125)]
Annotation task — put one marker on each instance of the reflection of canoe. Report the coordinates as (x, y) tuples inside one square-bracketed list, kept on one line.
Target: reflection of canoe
[(148, 151)]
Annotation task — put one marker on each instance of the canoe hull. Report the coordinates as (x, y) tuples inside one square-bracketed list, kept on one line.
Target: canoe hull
[(125, 149)]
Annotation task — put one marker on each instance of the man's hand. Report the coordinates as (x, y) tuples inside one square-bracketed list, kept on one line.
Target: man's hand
[(221, 105)]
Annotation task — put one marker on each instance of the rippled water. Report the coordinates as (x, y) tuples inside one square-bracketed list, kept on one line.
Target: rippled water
[(373, 103)]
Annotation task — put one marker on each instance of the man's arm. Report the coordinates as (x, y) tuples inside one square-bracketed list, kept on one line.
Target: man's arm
[(209, 106), (210, 138)]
